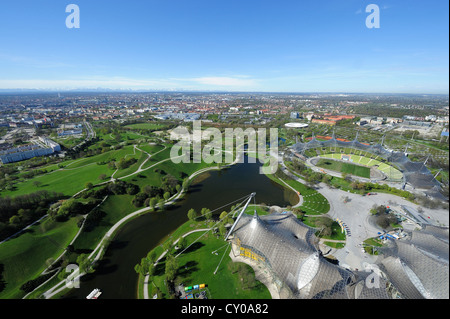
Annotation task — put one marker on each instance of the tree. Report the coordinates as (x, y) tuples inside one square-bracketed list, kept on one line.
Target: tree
[(151, 269), (385, 220), (144, 266), (166, 195), (325, 224), (182, 242), (83, 263), (139, 199), (206, 213), (171, 267), (37, 183), (326, 179), (168, 245), (222, 230), (153, 201), (88, 185), (138, 269), (192, 214), (299, 212), (223, 215), (161, 204), (151, 256), (132, 189), (14, 220)]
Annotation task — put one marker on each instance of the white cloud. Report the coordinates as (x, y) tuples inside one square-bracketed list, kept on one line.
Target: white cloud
[(93, 82), (198, 83), (242, 81)]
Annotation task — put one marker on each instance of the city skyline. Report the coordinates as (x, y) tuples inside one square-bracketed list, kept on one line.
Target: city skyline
[(251, 46)]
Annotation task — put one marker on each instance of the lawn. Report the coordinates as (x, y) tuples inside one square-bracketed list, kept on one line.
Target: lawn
[(198, 264), (314, 203), (24, 257), (343, 167), (115, 208), (74, 175), (145, 126)]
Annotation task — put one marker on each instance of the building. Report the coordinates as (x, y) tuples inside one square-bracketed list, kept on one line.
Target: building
[(418, 265), (287, 249), (295, 125), (295, 115), (327, 122), (41, 147)]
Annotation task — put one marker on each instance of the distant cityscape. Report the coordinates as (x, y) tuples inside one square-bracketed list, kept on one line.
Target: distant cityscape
[(66, 113)]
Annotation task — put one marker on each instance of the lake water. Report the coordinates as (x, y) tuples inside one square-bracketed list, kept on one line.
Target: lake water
[(115, 275)]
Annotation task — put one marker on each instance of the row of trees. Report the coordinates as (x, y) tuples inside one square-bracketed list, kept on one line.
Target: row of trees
[(153, 196), (169, 265), (147, 265), (73, 207)]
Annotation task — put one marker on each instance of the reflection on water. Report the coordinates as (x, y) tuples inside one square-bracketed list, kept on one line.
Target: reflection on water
[(115, 275)]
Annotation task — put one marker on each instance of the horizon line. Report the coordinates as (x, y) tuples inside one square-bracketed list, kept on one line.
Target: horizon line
[(180, 90)]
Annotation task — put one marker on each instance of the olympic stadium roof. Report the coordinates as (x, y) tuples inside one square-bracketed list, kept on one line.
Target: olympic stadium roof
[(419, 265), (289, 249), (414, 173)]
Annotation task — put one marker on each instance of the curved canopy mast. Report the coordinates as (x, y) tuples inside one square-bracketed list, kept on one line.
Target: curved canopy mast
[(240, 214)]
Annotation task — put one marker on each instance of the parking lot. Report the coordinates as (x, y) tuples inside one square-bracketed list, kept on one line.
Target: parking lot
[(354, 215)]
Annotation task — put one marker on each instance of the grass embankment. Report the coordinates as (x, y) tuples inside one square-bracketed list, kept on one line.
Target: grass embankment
[(314, 203), (26, 256)]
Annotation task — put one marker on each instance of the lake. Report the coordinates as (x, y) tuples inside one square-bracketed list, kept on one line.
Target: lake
[(115, 274)]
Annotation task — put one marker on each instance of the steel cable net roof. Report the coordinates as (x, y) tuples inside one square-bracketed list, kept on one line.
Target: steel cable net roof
[(416, 174), (288, 248), (418, 266)]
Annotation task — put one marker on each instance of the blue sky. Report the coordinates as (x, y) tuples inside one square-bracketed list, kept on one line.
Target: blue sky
[(233, 45)]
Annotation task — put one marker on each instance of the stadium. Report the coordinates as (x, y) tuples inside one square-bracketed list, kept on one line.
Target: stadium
[(394, 166), (289, 250), (414, 267)]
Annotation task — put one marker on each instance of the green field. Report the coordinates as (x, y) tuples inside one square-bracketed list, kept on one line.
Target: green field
[(364, 159), (197, 266), (74, 174), (24, 257), (343, 167), (314, 203), (145, 126)]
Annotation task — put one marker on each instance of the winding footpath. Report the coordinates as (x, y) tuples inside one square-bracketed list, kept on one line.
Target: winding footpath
[(98, 251)]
